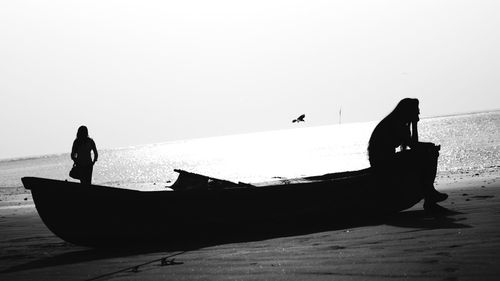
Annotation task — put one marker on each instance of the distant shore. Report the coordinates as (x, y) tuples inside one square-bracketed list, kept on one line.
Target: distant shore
[(463, 245)]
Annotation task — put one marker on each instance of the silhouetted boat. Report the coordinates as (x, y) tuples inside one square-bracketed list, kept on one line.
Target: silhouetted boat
[(203, 208)]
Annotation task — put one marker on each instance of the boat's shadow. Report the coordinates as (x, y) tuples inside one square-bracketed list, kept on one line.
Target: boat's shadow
[(417, 219)]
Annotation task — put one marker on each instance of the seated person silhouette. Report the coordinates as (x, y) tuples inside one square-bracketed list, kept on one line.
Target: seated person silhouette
[(394, 132), (80, 154)]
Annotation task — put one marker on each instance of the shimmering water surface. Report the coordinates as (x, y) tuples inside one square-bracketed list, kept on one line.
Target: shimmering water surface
[(468, 142)]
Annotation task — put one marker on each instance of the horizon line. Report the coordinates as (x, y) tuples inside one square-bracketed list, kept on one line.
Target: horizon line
[(39, 156)]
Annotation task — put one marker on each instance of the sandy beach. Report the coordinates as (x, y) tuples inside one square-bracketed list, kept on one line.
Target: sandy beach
[(461, 245)]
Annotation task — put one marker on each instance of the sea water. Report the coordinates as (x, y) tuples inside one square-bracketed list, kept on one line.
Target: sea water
[(469, 142)]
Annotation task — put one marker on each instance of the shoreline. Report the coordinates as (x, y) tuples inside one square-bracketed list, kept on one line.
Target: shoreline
[(463, 245)]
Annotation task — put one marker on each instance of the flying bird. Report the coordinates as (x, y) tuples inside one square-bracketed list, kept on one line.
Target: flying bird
[(299, 119)]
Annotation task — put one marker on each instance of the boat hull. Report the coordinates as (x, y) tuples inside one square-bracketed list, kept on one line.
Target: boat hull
[(100, 216)]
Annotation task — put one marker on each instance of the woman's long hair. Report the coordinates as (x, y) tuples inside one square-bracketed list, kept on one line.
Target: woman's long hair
[(405, 112), (82, 134)]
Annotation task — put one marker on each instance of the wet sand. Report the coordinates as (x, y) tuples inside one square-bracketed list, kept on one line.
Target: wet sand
[(461, 245)]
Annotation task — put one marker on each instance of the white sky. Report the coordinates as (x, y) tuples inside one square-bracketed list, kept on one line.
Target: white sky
[(140, 72)]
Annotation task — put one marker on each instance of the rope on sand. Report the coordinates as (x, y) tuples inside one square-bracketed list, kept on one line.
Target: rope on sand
[(163, 262)]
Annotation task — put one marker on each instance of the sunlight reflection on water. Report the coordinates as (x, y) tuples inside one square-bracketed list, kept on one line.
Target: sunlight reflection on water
[(468, 142), (249, 157)]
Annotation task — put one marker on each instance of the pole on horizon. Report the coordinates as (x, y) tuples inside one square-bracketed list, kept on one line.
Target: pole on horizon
[(340, 115)]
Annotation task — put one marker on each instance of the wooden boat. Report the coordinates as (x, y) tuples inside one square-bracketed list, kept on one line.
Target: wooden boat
[(204, 208)]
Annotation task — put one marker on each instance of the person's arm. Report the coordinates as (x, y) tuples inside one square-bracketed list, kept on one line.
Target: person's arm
[(406, 142), (94, 149), (414, 133)]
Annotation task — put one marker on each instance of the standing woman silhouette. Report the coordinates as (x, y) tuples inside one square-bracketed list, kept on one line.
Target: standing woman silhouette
[(80, 154)]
